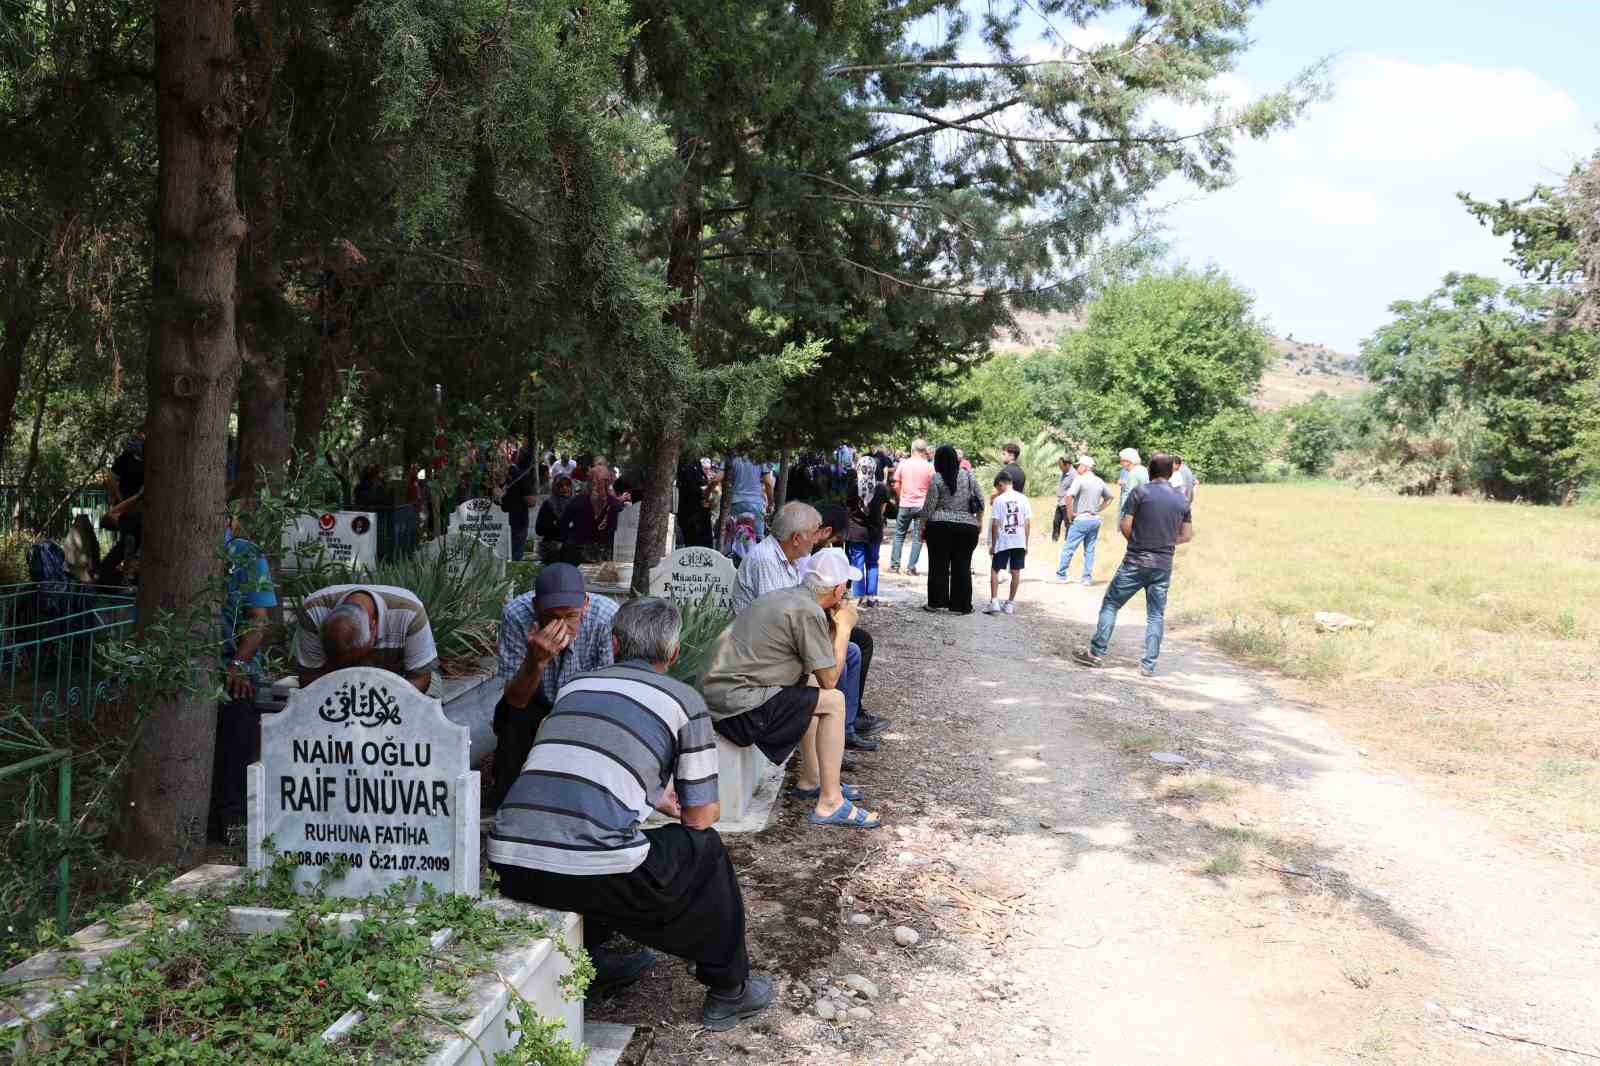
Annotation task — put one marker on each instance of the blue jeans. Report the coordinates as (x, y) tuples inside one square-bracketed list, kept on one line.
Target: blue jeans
[(1085, 530), (1128, 580), (907, 516), (851, 684), (864, 557)]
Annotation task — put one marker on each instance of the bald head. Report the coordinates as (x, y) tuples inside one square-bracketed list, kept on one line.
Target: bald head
[(347, 635)]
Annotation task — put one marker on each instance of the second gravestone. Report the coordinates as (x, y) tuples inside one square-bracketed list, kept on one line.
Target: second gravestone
[(363, 769), (483, 519), (689, 574)]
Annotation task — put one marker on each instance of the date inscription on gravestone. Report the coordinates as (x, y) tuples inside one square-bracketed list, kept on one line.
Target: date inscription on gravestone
[(362, 771), (690, 574)]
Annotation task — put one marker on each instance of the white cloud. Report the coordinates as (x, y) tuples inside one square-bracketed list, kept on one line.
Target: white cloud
[(1355, 207)]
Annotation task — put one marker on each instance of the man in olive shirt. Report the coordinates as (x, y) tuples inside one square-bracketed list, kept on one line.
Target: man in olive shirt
[(1155, 519), (758, 686)]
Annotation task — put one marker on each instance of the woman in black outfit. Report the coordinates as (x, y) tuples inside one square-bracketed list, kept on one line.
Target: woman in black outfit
[(548, 525), (951, 517)]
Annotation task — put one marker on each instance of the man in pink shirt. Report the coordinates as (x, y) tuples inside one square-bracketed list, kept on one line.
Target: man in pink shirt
[(911, 481)]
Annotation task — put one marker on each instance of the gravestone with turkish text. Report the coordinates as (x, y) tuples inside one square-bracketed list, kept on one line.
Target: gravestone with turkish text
[(345, 538), (464, 552), (627, 538), (361, 769), (484, 519), (689, 574)]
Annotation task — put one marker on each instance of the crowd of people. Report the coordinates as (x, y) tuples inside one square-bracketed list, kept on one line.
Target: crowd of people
[(592, 734)]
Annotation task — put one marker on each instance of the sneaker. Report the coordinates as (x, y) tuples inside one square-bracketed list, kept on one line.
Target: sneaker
[(1062, 578), (856, 742), (1087, 582), (894, 569), (1146, 671), (724, 1010), (1009, 607), (848, 762), (1088, 657), (614, 971), (913, 572), (870, 725), (993, 608)]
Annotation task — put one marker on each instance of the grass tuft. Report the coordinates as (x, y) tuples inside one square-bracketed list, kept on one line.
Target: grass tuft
[(1144, 742), (1198, 788), (1225, 862)]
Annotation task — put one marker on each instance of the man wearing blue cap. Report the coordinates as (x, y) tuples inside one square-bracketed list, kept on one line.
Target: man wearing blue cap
[(547, 637)]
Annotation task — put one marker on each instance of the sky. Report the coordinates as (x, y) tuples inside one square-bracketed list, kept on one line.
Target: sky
[(1355, 207)]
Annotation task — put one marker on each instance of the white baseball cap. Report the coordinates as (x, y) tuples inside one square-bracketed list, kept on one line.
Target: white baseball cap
[(828, 569), (1085, 460)]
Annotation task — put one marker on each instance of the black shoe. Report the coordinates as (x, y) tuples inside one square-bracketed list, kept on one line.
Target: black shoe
[(855, 741), (870, 725), (614, 971), (848, 763), (724, 1010), (931, 609)]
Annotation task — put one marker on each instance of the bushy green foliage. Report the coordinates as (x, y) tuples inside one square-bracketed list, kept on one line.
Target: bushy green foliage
[(1232, 445), (703, 623), (1315, 430), (1160, 357)]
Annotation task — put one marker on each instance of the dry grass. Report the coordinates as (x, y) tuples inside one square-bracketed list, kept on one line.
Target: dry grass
[(1482, 662), (1143, 743), (1197, 788)]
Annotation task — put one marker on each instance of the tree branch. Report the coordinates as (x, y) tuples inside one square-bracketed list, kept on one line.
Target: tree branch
[(874, 149)]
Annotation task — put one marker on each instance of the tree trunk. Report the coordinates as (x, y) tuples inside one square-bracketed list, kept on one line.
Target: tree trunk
[(22, 518), (194, 362), (666, 443), (13, 346), (343, 272), (725, 499), (781, 493)]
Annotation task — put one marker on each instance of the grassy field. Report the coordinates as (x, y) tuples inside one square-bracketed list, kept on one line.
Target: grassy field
[(1481, 663)]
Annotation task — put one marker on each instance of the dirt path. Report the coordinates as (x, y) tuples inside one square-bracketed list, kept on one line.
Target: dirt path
[(1279, 899)]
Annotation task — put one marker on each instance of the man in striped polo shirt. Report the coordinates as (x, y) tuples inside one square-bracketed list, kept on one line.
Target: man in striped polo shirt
[(365, 625), (568, 834)]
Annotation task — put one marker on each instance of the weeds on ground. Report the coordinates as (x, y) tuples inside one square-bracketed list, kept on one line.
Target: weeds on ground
[(1197, 788), (1143, 743), (1225, 862)]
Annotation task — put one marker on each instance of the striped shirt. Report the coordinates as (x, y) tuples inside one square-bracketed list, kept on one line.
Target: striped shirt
[(405, 640), (601, 763), (764, 569), (589, 650)]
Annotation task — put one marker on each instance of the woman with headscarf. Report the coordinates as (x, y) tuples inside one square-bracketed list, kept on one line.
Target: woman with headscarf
[(865, 540), (548, 525), (951, 517)]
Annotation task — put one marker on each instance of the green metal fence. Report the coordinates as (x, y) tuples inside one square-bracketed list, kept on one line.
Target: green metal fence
[(17, 744), (38, 505), (49, 633)]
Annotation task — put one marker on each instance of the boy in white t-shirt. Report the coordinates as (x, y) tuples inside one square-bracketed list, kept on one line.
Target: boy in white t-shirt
[(1010, 525)]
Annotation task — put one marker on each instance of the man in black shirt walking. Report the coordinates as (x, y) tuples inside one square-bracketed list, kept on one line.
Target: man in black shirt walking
[(1155, 519)]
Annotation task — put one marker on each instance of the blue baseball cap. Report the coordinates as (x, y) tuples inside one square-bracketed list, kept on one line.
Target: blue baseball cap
[(559, 585)]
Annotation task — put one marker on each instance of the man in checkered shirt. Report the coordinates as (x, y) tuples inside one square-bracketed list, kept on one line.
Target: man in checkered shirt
[(547, 637)]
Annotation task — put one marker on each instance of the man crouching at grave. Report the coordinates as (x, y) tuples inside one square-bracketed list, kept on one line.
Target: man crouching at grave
[(773, 683), (365, 625), (547, 637), (568, 837)]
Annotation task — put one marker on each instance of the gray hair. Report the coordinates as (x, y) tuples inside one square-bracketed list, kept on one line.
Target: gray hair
[(1129, 454), (919, 447), (647, 628), (797, 516), (347, 627)]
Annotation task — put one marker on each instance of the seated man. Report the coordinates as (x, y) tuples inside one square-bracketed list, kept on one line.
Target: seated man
[(776, 563), (365, 625), (757, 683), (547, 637), (568, 837)]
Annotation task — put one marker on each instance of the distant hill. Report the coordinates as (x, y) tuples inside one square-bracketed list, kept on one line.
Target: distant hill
[(1300, 371)]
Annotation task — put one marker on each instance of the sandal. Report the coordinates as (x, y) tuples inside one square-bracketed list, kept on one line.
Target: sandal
[(848, 815), (851, 792)]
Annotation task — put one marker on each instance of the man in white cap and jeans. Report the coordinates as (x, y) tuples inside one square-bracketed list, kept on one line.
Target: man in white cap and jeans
[(1088, 497), (773, 683)]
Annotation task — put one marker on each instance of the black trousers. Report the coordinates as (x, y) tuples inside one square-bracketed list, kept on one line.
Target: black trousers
[(1058, 522), (238, 745), (684, 899), (950, 548), (514, 730), (863, 640)]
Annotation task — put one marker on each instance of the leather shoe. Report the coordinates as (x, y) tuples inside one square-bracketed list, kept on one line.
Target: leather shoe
[(614, 971), (870, 725), (857, 742), (724, 1010), (848, 763)]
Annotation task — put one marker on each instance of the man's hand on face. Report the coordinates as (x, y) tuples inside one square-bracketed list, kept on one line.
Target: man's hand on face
[(547, 641), (846, 613)]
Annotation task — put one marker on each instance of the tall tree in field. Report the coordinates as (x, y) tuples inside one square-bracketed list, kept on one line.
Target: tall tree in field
[(837, 177), (194, 360)]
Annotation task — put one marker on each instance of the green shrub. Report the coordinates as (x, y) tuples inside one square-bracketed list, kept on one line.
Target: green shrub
[(703, 623), (1232, 446)]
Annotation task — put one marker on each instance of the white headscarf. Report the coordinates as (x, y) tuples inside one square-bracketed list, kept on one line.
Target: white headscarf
[(866, 480)]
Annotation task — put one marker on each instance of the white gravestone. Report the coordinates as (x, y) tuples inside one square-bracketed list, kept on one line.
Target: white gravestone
[(627, 538), (483, 519), (688, 574), (345, 538), (360, 766), (464, 552)]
